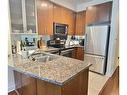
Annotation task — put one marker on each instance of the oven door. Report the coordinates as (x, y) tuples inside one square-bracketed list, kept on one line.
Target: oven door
[(67, 53)]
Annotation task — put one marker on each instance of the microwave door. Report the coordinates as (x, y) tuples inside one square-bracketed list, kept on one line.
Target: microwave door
[(60, 29)]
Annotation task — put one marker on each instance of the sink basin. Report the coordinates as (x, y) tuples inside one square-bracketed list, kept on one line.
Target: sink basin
[(45, 59), (25, 54), (42, 57)]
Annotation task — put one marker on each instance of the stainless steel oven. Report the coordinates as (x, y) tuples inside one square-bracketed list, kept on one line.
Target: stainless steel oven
[(67, 53)]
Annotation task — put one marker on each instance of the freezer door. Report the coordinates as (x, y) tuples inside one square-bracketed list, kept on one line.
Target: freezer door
[(96, 40), (98, 63)]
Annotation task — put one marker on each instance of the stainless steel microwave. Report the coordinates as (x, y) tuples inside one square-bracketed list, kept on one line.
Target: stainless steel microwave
[(60, 29)]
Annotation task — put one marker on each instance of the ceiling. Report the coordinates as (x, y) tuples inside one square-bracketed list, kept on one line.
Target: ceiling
[(77, 1), (78, 5), (72, 4)]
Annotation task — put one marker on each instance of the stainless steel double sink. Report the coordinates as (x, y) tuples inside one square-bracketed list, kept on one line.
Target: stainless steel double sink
[(42, 57)]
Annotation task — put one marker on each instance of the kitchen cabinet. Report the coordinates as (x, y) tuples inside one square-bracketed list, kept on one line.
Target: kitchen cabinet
[(79, 53), (23, 16), (80, 23), (16, 16), (57, 14), (45, 17), (30, 15), (64, 16), (104, 12), (71, 22), (99, 13), (78, 85), (25, 85)]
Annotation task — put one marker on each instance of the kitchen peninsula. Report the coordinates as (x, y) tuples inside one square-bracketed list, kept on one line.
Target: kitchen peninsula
[(57, 76)]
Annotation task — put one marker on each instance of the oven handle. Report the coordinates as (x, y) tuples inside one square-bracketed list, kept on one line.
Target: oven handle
[(66, 51)]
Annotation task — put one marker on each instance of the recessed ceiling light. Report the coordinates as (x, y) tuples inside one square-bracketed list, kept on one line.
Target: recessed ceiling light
[(44, 4)]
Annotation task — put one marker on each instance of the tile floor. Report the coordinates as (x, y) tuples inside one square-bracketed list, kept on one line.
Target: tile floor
[(96, 83)]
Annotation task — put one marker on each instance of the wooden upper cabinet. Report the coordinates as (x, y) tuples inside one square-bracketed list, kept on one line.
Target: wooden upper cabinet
[(72, 23), (57, 14), (91, 15), (80, 23), (69, 19), (104, 12), (64, 16), (99, 13), (45, 17)]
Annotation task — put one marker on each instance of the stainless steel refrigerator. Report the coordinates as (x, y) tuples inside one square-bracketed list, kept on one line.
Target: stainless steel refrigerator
[(96, 47)]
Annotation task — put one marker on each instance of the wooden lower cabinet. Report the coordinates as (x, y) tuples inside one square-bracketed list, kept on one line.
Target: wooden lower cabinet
[(25, 85), (78, 85), (45, 88), (79, 53)]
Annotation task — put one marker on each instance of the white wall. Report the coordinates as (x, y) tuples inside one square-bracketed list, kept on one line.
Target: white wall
[(114, 39)]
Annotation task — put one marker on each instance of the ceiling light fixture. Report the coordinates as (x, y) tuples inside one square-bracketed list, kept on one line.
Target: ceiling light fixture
[(44, 4)]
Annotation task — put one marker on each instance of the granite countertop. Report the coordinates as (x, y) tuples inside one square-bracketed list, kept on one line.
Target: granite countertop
[(57, 71)]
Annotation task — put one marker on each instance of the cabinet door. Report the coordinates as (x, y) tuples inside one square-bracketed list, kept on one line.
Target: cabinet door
[(57, 14), (64, 16), (80, 23), (69, 19), (91, 15), (71, 22), (30, 15), (28, 85), (104, 12), (18, 82), (25, 85), (45, 17), (79, 53), (16, 16), (99, 13)]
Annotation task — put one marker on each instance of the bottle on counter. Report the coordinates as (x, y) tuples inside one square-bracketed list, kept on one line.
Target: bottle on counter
[(41, 44), (18, 46), (14, 49)]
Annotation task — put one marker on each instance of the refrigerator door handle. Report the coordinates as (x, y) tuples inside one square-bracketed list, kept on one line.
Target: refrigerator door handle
[(86, 41)]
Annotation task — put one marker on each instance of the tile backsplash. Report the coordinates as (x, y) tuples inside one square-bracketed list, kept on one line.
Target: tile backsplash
[(45, 38), (30, 37)]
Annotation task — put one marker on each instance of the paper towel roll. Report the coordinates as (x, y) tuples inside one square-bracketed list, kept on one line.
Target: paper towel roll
[(18, 43)]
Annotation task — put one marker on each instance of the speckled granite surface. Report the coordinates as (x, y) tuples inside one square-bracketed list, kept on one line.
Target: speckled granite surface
[(57, 71)]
